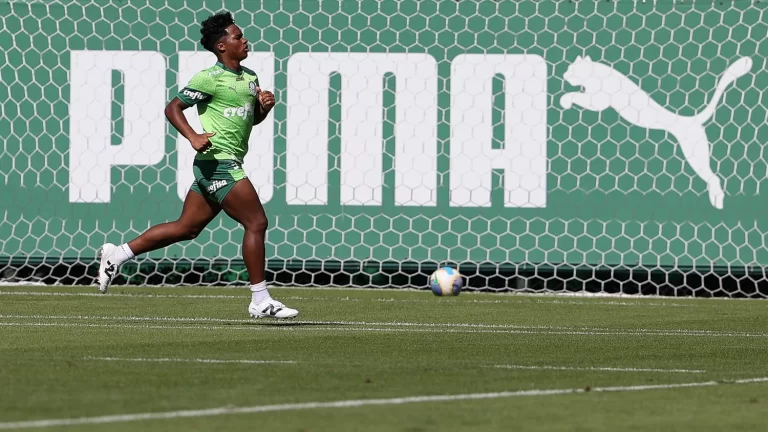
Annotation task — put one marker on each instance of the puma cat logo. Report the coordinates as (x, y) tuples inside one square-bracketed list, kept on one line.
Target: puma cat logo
[(604, 87)]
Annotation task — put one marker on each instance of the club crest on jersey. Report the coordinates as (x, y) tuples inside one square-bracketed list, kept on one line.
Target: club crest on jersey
[(253, 88)]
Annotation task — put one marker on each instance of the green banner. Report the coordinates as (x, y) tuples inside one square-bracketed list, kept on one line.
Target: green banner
[(584, 133)]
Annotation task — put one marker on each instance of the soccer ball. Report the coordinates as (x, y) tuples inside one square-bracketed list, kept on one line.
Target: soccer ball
[(445, 282)]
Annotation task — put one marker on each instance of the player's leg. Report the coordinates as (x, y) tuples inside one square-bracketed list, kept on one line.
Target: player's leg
[(242, 204), (196, 214)]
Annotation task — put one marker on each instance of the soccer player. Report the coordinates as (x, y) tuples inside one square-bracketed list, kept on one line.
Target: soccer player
[(229, 102)]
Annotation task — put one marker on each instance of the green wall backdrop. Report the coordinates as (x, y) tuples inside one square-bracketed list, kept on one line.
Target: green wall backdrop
[(617, 194)]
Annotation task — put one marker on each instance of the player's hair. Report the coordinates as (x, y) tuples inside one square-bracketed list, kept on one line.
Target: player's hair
[(214, 28)]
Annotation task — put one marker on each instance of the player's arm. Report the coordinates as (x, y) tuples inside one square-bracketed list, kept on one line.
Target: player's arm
[(174, 112), (199, 90), (266, 103)]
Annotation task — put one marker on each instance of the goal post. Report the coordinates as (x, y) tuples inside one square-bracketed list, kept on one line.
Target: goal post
[(536, 145)]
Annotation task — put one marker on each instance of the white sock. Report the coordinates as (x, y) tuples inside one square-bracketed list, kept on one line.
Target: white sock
[(122, 254), (259, 292)]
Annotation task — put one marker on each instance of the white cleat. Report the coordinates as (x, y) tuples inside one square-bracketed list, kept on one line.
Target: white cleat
[(107, 269), (271, 308)]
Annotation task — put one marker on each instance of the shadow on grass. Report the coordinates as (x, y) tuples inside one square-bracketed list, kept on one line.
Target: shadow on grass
[(288, 323)]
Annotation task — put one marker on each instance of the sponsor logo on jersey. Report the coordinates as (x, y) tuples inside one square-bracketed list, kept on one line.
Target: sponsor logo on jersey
[(192, 94), (216, 72), (216, 185), (244, 111)]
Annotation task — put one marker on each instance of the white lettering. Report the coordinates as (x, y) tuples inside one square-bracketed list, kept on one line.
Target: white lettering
[(194, 95), (216, 185), (91, 154), (524, 156), (243, 111), (361, 131), (259, 162)]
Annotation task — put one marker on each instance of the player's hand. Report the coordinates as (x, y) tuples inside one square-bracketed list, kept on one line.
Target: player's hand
[(201, 142), (266, 98)]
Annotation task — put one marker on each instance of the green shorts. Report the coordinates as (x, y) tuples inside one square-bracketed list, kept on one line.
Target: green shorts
[(216, 177)]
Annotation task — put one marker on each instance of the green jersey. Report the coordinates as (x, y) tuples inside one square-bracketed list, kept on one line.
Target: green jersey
[(226, 100)]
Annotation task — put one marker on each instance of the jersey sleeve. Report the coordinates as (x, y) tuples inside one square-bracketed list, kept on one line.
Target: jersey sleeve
[(200, 89)]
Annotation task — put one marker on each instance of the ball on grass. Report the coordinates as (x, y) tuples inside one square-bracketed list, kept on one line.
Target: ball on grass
[(446, 281)]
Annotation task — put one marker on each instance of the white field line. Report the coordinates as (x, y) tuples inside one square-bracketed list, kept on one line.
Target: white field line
[(361, 328), (553, 300), (377, 324), (542, 294), (139, 295), (355, 403), (597, 368), (527, 293), (183, 360)]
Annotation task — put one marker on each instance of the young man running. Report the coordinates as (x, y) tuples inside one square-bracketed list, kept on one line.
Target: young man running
[(229, 102)]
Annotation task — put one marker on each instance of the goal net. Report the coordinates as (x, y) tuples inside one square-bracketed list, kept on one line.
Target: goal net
[(604, 147)]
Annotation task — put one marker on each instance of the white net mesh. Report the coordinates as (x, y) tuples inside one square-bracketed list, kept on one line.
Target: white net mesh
[(540, 145)]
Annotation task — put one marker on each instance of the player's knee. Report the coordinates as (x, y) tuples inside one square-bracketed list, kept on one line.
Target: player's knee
[(262, 224), (193, 232), (258, 225), (188, 232)]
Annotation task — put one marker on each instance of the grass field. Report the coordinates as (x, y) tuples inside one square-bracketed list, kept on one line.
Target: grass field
[(159, 359)]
